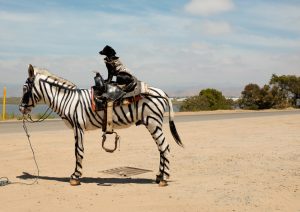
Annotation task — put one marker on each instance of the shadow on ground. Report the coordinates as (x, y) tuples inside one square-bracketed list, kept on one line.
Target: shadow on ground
[(99, 181)]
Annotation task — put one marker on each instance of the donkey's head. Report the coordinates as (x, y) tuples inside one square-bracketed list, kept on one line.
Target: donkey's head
[(28, 99)]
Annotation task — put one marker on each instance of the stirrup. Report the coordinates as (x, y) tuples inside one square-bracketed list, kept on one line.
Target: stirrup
[(117, 138)]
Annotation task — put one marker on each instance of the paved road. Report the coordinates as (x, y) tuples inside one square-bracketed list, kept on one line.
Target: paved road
[(208, 117), (53, 125)]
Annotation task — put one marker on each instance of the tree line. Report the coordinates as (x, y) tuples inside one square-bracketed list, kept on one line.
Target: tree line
[(281, 92)]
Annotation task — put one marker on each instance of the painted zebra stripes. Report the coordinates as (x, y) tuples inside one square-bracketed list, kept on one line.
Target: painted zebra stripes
[(73, 105)]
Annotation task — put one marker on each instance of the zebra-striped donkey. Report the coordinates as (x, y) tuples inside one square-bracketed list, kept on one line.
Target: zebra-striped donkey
[(73, 105)]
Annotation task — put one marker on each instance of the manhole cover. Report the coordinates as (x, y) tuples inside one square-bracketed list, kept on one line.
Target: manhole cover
[(125, 171)]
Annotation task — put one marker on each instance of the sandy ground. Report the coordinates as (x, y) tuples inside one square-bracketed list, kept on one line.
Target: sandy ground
[(249, 164)]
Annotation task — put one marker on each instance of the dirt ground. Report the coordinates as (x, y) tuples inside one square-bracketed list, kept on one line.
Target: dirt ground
[(249, 164)]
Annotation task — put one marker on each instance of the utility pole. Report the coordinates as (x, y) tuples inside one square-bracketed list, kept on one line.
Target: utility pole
[(4, 104)]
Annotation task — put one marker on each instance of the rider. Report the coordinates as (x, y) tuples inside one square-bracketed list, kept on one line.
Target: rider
[(125, 83), (116, 68)]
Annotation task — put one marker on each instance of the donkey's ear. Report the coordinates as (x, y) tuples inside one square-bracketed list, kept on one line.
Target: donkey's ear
[(30, 71)]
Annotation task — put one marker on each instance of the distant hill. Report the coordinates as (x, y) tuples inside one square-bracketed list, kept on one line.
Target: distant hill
[(11, 100)]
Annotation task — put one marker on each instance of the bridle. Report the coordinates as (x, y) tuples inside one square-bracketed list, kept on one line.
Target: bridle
[(27, 94), (28, 86)]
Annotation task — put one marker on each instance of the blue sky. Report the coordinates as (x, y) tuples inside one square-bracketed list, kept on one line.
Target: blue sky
[(181, 46)]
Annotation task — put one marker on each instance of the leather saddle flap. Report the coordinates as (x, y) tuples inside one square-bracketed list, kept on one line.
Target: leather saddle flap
[(113, 92)]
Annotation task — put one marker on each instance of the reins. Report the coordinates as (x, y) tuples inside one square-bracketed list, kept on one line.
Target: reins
[(42, 118)]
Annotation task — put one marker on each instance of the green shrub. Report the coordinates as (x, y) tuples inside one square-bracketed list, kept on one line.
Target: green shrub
[(208, 99), (255, 98)]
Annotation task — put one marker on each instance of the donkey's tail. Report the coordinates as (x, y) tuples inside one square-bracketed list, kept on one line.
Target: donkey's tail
[(172, 124)]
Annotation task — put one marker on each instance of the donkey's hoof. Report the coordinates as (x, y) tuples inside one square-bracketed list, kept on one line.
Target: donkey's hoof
[(74, 182), (163, 183), (158, 178)]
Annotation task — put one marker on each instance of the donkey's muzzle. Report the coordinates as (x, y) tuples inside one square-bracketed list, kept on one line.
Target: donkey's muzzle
[(24, 110)]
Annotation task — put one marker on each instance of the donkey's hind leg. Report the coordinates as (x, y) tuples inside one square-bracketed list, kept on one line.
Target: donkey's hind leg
[(164, 150)]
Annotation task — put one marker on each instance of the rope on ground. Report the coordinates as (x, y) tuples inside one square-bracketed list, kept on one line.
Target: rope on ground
[(4, 180)]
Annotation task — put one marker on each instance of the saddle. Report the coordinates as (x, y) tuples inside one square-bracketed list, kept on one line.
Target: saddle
[(113, 95)]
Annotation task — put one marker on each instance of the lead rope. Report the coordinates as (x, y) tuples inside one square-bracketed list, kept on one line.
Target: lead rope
[(4, 180), (33, 154)]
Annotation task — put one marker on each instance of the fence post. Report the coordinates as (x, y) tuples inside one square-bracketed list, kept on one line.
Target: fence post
[(4, 104)]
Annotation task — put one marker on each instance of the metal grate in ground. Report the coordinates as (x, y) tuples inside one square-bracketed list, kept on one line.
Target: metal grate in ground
[(125, 171)]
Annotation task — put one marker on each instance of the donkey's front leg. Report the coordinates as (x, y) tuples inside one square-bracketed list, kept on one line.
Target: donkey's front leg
[(79, 151)]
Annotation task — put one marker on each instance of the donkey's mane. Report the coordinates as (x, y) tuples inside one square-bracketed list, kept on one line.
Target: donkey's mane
[(46, 73)]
